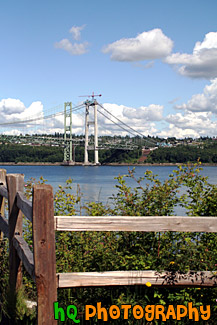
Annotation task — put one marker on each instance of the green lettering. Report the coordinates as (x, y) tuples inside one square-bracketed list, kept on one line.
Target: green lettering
[(74, 314), (58, 310)]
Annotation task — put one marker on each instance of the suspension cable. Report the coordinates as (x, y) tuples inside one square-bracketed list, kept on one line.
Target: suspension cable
[(43, 117), (151, 141)]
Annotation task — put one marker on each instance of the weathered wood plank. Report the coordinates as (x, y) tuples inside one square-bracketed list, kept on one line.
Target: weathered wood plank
[(44, 252), (122, 223), (15, 183), (24, 205), (4, 191), (113, 278), (4, 226), (25, 254), (2, 195)]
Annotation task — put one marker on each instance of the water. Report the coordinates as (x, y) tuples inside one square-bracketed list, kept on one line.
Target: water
[(97, 183)]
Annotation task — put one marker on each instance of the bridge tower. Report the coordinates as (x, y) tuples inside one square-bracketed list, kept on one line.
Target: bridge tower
[(89, 103), (68, 135)]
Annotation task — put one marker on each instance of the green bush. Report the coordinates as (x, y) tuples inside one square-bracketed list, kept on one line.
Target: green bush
[(104, 251)]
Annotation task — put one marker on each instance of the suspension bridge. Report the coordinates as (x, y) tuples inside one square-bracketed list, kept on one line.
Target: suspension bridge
[(67, 138)]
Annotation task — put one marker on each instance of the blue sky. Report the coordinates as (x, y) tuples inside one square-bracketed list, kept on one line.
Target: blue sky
[(154, 62)]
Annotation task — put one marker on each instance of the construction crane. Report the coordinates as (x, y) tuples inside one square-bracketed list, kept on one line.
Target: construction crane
[(93, 95)]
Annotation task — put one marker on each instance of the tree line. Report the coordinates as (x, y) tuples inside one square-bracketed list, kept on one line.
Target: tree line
[(184, 154), (25, 153), (180, 154)]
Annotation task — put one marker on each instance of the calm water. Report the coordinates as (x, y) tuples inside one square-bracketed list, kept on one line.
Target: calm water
[(96, 183)]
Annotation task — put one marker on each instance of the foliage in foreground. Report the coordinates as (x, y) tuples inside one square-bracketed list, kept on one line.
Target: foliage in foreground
[(104, 251)]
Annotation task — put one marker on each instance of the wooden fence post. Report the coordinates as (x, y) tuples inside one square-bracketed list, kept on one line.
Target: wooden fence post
[(15, 183), (2, 199), (44, 253)]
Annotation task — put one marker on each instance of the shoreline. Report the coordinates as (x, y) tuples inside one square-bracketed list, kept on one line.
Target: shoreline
[(91, 165)]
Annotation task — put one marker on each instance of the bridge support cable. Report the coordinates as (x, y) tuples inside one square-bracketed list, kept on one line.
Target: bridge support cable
[(153, 142), (120, 126), (33, 119), (69, 144)]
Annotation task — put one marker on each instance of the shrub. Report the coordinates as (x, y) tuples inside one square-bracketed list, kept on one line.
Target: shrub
[(104, 251)]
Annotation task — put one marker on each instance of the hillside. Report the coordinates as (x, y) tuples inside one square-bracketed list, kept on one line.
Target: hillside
[(184, 153), (207, 153)]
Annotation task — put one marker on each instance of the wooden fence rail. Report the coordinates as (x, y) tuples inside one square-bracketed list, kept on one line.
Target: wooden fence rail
[(41, 263)]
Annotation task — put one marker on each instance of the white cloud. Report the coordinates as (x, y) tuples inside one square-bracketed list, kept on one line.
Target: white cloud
[(179, 133), (209, 42), (141, 119), (145, 46), (202, 63), (35, 110), (73, 49), (12, 132), (196, 121), (147, 113), (76, 32), (144, 119), (189, 124), (204, 102), (10, 106), (56, 124), (197, 117), (172, 101), (148, 65), (13, 110)]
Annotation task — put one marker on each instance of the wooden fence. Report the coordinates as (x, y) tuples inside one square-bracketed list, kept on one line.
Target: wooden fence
[(41, 264)]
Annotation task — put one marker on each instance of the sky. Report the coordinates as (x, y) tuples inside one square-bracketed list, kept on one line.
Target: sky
[(154, 62)]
